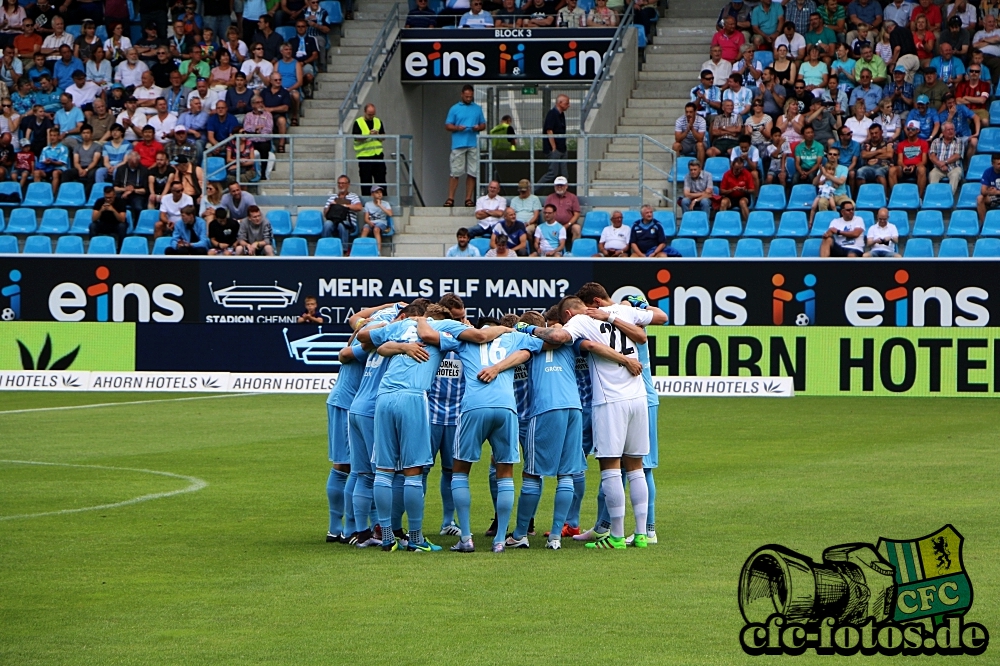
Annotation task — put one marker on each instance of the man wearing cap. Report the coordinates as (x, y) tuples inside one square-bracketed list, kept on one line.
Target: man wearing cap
[(987, 40), (554, 145), (967, 124), (946, 155), (932, 88), (911, 159), (876, 156), (567, 209), (513, 233), (950, 69), (526, 205), (368, 149), (926, 116), (974, 93), (900, 92), (182, 145), (489, 208)]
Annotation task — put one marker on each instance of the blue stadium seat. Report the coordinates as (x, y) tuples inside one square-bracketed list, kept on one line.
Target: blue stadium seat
[(10, 187), (54, 221), (929, 224), (630, 217), (794, 224), (216, 169), (728, 224), (989, 140), (964, 223), (481, 243), (329, 247), (334, 14), (749, 247), (760, 224), (147, 220), (81, 222), (38, 245), (995, 112), (919, 248), (765, 58), (717, 166), (667, 221), (2, 223), (905, 196), (102, 245), (822, 222), (715, 248), (71, 195), (867, 216), (38, 194), (160, 245), (22, 221), (938, 196), (810, 247), (308, 223), (782, 248), (75, 30), (8, 244), (640, 34), (772, 197), (135, 245), (977, 166), (594, 223), (281, 222), (967, 195), (802, 197), (584, 247), (96, 193), (287, 32), (680, 171), (985, 247), (366, 247), (686, 246), (901, 220), (295, 247), (954, 248), (871, 196), (694, 224), (991, 226)]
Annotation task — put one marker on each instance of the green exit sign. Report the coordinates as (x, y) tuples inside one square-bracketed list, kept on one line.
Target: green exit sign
[(529, 90)]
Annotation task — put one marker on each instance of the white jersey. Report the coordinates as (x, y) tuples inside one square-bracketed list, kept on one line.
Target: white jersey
[(611, 381)]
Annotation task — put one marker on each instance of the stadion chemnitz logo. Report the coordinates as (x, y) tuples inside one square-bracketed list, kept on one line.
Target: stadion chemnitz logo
[(69, 301), (796, 302)]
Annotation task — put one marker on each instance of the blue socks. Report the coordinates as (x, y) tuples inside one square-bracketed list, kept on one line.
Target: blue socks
[(413, 500), (384, 503), (603, 523), (493, 485), (350, 527), (505, 504), (335, 496), (447, 503), (579, 488), (565, 494), (651, 507), (463, 502), (363, 501), (527, 504), (397, 502)]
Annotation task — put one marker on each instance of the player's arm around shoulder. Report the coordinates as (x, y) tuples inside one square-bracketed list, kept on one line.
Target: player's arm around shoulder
[(623, 321), (633, 365), (481, 335), (487, 375), (414, 350), (365, 336)]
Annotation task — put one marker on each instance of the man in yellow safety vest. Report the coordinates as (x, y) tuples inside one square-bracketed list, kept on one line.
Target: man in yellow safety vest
[(371, 161)]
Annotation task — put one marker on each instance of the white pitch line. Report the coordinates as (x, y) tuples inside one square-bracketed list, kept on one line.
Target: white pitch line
[(195, 485), (116, 404)]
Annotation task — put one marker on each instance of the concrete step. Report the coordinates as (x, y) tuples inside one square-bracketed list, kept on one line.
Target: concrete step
[(672, 72), (441, 211), (642, 103), (650, 114), (442, 227), (652, 89), (361, 49)]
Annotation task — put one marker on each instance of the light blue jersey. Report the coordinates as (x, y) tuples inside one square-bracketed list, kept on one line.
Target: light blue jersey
[(446, 392), (406, 374), (652, 398), (387, 314), (364, 400), (521, 390), (553, 381), (348, 379), (474, 357)]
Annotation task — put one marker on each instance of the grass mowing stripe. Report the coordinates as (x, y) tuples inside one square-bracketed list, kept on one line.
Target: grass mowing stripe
[(116, 404)]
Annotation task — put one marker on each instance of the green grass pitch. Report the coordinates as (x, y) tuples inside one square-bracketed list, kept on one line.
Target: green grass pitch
[(239, 573)]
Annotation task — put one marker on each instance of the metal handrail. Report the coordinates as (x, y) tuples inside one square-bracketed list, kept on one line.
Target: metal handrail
[(590, 100), (350, 102)]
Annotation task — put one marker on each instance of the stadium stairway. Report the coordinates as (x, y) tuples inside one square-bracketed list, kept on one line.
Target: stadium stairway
[(430, 231), (672, 65)]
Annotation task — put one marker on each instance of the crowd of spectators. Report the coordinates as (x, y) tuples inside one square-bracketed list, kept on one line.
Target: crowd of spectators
[(530, 14)]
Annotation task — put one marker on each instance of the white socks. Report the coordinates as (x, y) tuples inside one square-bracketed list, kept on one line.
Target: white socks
[(639, 494), (614, 498)]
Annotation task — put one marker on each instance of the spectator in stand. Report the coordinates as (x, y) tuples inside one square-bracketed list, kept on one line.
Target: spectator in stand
[(932, 89), (730, 39), (835, 18), (526, 205), (539, 14), (310, 316), (739, 95), (182, 145), (69, 119), (170, 210), (749, 67), (772, 93), (867, 12), (117, 44), (926, 116), (602, 16), (959, 38), (131, 73), (222, 231), (845, 236), (58, 37), (820, 35), (911, 159), (42, 13), (615, 238), (698, 190), (720, 67), (99, 70), (257, 70), (108, 217), (278, 102), (22, 99), (508, 16), (195, 120), (974, 93), (132, 184), (989, 191), (950, 69), (964, 11), (758, 126), (28, 43), (377, 216), (52, 162), (737, 188), (238, 98), (892, 124), (766, 21), (24, 166), (223, 74), (550, 236), (967, 124), (883, 237), (259, 121), (647, 238), (421, 17), (987, 40), (462, 247), (489, 208), (132, 119), (180, 42), (190, 176), (476, 17), (923, 40), (726, 129), (567, 209), (48, 95), (793, 41), (65, 66), (899, 92), (554, 143), (706, 95), (86, 158), (501, 249), (163, 65), (147, 93), (238, 202), (750, 155), (341, 212), (808, 156), (874, 64), (221, 125), (149, 46), (267, 37), (190, 234), (255, 237), (976, 58), (163, 122), (515, 234), (798, 12), (318, 21), (849, 155), (931, 11), (689, 133), (831, 183), (113, 153), (904, 49), (877, 155), (148, 146), (946, 155), (36, 129), (898, 11), (160, 176), (866, 92), (465, 121), (740, 12), (307, 53), (194, 68)]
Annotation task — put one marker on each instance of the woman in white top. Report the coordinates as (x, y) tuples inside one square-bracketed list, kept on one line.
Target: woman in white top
[(859, 122), (758, 125), (790, 123), (117, 44), (257, 69), (11, 16), (892, 124), (10, 122), (602, 17), (237, 47)]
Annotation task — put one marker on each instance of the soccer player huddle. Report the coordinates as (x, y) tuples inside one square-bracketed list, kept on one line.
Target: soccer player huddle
[(417, 382)]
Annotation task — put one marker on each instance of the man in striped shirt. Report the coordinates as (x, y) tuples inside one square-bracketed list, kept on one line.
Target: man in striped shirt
[(946, 155)]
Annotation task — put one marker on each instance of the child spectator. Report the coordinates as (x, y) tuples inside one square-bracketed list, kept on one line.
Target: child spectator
[(24, 165), (310, 316), (377, 214)]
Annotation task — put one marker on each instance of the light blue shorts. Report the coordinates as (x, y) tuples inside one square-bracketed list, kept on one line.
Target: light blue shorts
[(553, 444), (443, 441), (362, 430), (652, 459), (402, 431), (337, 435), (496, 424), (588, 433)]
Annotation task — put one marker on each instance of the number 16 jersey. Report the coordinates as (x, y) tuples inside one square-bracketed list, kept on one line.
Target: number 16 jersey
[(499, 392), (611, 381)]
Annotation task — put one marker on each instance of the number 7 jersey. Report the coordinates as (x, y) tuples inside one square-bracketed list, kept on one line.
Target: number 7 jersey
[(611, 381)]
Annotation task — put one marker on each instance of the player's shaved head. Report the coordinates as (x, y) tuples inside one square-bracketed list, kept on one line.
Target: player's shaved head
[(509, 320), (591, 291), (439, 312), (532, 318), (569, 306)]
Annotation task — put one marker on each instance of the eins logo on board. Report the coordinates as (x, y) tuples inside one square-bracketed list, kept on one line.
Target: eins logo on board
[(867, 306), (69, 301), (443, 63)]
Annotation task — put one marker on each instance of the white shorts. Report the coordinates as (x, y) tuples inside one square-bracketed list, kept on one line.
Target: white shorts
[(621, 428)]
